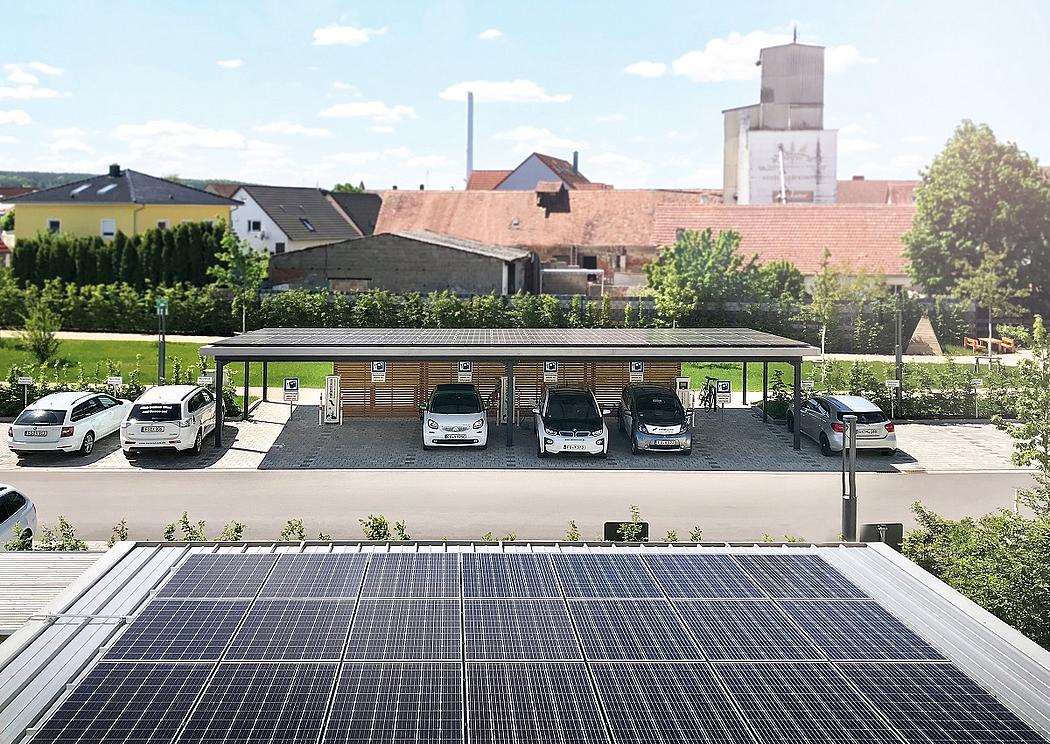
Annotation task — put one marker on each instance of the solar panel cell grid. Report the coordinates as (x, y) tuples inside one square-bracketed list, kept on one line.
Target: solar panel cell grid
[(422, 629), (858, 630), (139, 702), (632, 630), (744, 630), (219, 575), (184, 630), (798, 577), (319, 575), (545, 703), (507, 630), (262, 703), (304, 629), (667, 704), (604, 575), (711, 576), (403, 575), (508, 575), (937, 704), (379, 703)]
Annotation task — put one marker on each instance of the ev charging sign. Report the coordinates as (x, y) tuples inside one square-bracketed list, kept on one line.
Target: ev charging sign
[(291, 389), (550, 371), (465, 371), (723, 391), (378, 371), (637, 371)]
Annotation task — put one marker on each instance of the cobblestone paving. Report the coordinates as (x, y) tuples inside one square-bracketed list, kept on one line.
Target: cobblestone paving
[(736, 441)]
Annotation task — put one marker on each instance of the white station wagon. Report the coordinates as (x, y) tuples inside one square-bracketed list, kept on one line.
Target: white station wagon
[(169, 417), (66, 422)]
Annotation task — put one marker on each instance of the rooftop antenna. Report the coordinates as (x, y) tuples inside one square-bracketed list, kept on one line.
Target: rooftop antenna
[(794, 34)]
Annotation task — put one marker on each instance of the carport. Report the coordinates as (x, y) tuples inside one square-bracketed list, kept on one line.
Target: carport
[(510, 347)]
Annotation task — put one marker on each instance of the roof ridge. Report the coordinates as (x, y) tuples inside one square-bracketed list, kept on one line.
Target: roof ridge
[(176, 183)]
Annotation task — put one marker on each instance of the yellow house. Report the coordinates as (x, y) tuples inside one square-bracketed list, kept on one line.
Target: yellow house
[(123, 200)]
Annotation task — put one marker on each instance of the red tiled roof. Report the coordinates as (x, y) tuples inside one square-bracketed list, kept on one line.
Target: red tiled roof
[(564, 171), (549, 187), (9, 191), (486, 180), (223, 189), (864, 191), (860, 237)]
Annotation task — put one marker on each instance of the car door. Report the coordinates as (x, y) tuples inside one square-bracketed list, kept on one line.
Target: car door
[(627, 411), (85, 416), (110, 416), (206, 409), (821, 418), (811, 418), (542, 410)]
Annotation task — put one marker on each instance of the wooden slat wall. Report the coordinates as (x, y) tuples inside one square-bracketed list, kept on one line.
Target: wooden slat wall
[(408, 384)]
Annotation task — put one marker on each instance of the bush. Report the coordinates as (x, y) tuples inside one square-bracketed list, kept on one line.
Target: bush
[(38, 336)]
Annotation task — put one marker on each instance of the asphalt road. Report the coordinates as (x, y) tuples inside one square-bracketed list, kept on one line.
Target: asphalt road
[(533, 504)]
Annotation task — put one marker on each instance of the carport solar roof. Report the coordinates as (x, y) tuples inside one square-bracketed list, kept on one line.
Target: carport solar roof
[(446, 643), (535, 343)]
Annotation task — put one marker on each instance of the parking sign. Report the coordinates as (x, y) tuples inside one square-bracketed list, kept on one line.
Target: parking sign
[(466, 371), (291, 389), (550, 371), (637, 371), (723, 391), (378, 371)]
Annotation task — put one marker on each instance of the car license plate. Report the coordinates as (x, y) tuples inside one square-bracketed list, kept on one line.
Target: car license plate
[(869, 432), (573, 446), (455, 436), (666, 442), (152, 429), (35, 433)]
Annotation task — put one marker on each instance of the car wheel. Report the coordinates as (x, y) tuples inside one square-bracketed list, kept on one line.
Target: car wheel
[(198, 444), (825, 446), (27, 534), (88, 445), (790, 422), (129, 454)]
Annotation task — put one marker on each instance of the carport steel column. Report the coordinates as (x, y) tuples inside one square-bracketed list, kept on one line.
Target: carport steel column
[(796, 402), (247, 379), (509, 402), (219, 412)]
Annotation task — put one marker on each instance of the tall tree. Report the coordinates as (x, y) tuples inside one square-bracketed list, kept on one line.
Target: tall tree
[(241, 270), (349, 188), (981, 196)]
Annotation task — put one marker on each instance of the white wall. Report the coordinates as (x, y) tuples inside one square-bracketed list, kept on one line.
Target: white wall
[(527, 175), (249, 211), (809, 164)]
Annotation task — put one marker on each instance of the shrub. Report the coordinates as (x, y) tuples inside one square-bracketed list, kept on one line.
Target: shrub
[(232, 532), (120, 533), (62, 537), (20, 539), (293, 531), (573, 533), (38, 335), (375, 527), (190, 532), (631, 531)]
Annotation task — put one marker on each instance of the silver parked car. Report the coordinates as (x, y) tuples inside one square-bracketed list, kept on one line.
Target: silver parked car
[(15, 511), (821, 420)]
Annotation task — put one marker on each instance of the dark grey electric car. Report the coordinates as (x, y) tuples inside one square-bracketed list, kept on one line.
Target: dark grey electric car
[(654, 419)]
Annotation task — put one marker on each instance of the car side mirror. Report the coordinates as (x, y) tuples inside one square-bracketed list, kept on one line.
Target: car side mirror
[(536, 411), (606, 412)]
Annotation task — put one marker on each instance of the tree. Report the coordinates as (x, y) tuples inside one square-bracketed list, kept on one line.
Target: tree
[(700, 268), (992, 285), (348, 188), (240, 269), (39, 332), (781, 280), (7, 222), (978, 197), (832, 290)]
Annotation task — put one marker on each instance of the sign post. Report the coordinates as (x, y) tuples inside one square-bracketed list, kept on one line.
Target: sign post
[(291, 393), (331, 407), (25, 382), (893, 386), (162, 317), (849, 477), (976, 383), (723, 394), (116, 382)]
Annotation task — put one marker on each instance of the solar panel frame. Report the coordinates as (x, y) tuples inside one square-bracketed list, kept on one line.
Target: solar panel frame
[(858, 629), (518, 629), (615, 576), (412, 575), (784, 576), (935, 703), (218, 576), (406, 630), (316, 575), (160, 694), (512, 575), (707, 576), (632, 630), (745, 630), (293, 629), (179, 630), (262, 702)]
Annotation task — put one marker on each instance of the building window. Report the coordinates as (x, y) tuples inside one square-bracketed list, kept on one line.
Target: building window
[(307, 224), (254, 225), (53, 226), (278, 247), (108, 228), (162, 224), (588, 262)]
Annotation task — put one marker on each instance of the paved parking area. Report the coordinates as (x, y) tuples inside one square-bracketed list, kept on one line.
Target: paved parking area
[(735, 441)]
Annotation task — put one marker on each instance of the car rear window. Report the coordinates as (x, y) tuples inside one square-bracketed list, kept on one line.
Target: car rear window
[(865, 417), (156, 412), (40, 417), (455, 402)]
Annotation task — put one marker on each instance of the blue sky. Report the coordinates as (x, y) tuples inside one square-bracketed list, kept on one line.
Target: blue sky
[(312, 93)]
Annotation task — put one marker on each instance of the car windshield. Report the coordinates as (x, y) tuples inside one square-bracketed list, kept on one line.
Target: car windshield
[(455, 401), (572, 407), (658, 403), (155, 412), (865, 417), (40, 417)]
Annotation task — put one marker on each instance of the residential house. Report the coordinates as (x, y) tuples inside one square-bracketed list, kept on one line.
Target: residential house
[(121, 200), (7, 237), (278, 219), (860, 190), (360, 207), (534, 170)]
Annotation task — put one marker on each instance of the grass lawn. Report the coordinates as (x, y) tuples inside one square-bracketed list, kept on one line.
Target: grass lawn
[(733, 372)]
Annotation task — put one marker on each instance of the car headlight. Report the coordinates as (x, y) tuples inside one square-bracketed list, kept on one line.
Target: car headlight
[(432, 424), (643, 428), (552, 432), (683, 429), (597, 433), (479, 423)]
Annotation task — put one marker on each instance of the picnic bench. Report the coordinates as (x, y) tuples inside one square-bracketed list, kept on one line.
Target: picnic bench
[(1003, 345)]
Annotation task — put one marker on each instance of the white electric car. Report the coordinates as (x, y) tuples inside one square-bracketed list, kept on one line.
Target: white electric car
[(455, 417), (169, 417), (569, 420), (15, 510), (66, 422)]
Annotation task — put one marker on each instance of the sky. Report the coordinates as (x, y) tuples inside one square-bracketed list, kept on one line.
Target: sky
[(319, 92)]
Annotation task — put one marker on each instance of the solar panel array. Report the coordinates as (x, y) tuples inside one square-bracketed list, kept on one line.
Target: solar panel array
[(581, 648)]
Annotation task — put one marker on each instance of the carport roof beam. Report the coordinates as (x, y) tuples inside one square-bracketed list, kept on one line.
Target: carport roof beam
[(537, 344)]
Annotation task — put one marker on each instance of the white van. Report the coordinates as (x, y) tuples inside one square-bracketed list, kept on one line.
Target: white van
[(169, 417), (66, 422)]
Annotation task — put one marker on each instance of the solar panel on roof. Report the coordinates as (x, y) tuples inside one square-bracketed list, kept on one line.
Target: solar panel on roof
[(252, 702), (711, 576), (667, 704), (136, 702), (857, 630), (320, 575), (802, 576), (632, 629), (219, 575), (380, 703), (508, 575), (508, 630), (792, 702), (183, 630), (412, 575), (937, 704), (543, 702), (409, 629), (604, 575), (744, 630), (306, 629)]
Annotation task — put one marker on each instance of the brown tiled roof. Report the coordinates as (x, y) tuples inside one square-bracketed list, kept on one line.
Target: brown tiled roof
[(564, 171), (223, 189), (8, 191), (860, 237), (864, 191), (549, 187), (3, 247), (486, 180)]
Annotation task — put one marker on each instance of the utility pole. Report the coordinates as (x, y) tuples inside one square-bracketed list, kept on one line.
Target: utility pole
[(849, 478), (899, 353), (162, 316)]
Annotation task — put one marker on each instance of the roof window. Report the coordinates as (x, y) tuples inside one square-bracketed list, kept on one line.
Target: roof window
[(80, 188), (106, 189), (307, 224)]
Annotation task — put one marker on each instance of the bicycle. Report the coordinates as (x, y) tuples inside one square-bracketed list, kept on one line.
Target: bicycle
[(708, 399)]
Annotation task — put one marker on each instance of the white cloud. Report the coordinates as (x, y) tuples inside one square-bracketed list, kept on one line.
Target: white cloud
[(162, 133), (917, 139), (502, 91), (849, 145), (609, 118), (69, 144), (620, 170), (44, 69), (345, 35), (733, 57), (19, 76), (67, 132), (381, 129), (646, 69), (27, 92), (16, 117), (377, 111), (287, 127), (229, 64), (6, 139), (349, 87), (490, 33), (533, 139)]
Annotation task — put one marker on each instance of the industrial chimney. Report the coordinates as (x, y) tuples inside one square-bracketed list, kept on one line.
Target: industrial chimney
[(470, 134), (576, 162)]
